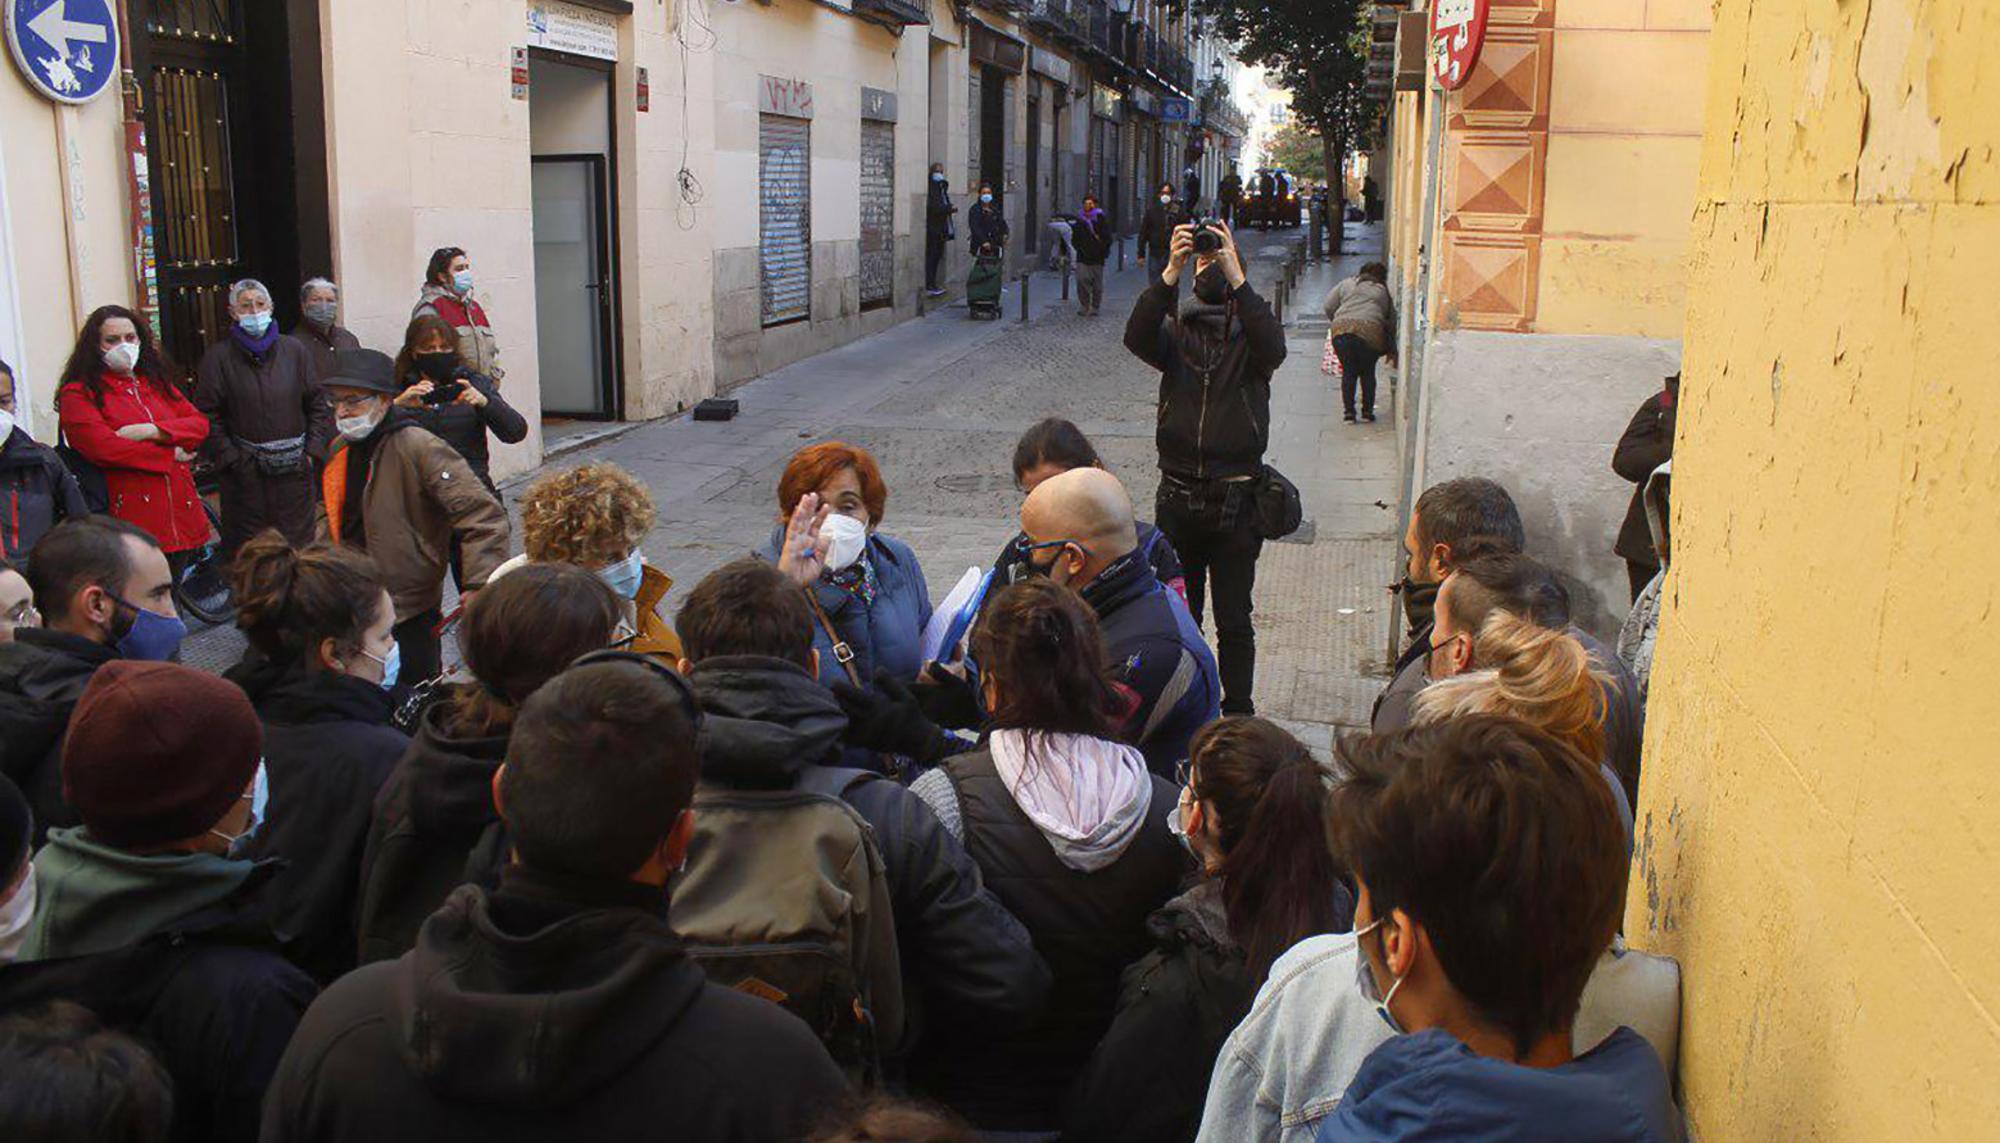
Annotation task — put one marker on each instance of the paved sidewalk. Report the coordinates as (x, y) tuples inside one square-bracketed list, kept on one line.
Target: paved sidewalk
[(941, 401)]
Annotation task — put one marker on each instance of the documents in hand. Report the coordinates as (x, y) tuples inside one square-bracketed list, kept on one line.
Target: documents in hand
[(951, 621)]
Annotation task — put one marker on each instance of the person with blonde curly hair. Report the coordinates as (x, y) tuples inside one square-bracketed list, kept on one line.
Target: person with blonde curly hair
[(596, 516)]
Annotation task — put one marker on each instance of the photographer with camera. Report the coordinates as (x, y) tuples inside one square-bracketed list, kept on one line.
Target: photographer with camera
[(440, 393), (1216, 352)]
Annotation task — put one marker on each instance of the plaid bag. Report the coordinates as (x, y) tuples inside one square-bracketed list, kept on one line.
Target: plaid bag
[(1329, 361)]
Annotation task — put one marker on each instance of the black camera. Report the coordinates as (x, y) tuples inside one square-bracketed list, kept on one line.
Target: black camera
[(1207, 238), (443, 392)]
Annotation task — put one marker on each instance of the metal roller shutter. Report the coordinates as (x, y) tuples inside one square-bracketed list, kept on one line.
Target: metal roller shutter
[(878, 212), (784, 240)]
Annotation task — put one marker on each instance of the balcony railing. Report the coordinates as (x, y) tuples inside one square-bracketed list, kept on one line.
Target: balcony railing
[(904, 12)]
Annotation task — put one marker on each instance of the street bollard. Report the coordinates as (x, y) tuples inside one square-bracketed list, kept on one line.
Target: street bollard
[(1121, 253), (1025, 279), (1065, 280)]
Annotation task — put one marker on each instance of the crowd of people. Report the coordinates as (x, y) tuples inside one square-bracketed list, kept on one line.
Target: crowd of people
[(816, 857)]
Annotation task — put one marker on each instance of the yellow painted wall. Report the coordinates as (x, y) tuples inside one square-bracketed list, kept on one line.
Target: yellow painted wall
[(1820, 812), (1625, 116)]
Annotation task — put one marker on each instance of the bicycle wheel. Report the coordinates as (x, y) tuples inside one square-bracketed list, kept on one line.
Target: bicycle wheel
[(202, 587)]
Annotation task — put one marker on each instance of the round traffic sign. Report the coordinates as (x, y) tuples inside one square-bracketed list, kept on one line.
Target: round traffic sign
[(1458, 28), (66, 49)]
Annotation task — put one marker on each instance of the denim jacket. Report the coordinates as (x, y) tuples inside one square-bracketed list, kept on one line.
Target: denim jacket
[(1286, 1066)]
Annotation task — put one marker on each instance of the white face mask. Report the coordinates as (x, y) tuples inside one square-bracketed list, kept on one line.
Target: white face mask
[(15, 914), (1165, 199), (6, 425), (123, 357), (357, 427), (848, 537)]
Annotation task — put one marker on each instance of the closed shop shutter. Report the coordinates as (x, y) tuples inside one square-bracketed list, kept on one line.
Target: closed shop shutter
[(878, 212), (784, 240)]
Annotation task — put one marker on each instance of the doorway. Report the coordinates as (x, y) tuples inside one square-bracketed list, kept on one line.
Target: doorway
[(573, 215), (993, 131), (1034, 166)]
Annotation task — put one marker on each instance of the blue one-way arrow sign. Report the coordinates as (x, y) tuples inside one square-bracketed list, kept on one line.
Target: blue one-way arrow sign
[(66, 49)]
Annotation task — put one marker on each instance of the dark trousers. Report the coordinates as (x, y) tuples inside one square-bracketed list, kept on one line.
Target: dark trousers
[(933, 257), (421, 649), (1213, 527), (1357, 366)]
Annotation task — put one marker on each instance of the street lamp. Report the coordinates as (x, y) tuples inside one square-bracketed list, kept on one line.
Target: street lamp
[(1215, 69)]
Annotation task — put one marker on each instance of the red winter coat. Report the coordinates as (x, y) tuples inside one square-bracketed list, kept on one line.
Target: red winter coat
[(148, 486)]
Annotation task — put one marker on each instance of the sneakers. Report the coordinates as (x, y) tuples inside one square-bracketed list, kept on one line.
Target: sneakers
[(934, 293), (1369, 416), (1348, 416)]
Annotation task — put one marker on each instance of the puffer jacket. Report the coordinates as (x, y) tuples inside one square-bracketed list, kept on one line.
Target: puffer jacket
[(418, 494), (464, 427), (770, 725), (887, 634), (148, 486), (476, 344), (37, 492), (1215, 379)]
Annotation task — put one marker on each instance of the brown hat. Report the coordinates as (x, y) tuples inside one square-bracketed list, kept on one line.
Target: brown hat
[(158, 752)]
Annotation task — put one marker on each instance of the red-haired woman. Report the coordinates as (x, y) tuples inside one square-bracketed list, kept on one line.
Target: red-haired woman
[(870, 599), (120, 411)]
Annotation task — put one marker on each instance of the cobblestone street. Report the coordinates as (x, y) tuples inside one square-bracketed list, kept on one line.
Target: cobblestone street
[(941, 401)]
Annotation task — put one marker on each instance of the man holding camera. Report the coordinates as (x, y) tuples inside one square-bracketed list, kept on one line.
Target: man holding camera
[(1216, 351)]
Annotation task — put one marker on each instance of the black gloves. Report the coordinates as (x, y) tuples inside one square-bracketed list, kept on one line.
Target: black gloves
[(950, 699), (889, 718)]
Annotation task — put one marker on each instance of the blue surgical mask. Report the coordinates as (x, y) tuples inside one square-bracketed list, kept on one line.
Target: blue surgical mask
[(152, 636), (623, 577), (1365, 977), (462, 281), (258, 797), (937, 176), (1178, 828), (254, 324), (988, 197), (392, 664)]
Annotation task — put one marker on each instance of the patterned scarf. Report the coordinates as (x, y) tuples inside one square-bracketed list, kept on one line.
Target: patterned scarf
[(856, 579)]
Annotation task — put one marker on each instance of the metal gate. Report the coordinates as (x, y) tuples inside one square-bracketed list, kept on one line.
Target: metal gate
[(1093, 179), (784, 240), (878, 213)]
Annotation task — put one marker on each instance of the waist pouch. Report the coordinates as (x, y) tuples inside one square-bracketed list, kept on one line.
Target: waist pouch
[(285, 457)]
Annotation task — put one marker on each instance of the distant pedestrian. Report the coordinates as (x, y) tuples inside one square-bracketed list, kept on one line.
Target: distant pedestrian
[(70, 1080), (447, 293), (1362, 317), (1191, 189), (938, 228), (257, 389), (1216, 352), (121, 411), (37, 490), (320, 331), (1163, 217), (443, 393), (1647, 444), (987, 223), (1090, 236), (559, 1004), (409, 500), (1229, 195)]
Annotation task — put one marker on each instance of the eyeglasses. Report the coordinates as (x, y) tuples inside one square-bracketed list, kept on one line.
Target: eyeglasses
[(1184, 773), (1026, 546), (23, 614)]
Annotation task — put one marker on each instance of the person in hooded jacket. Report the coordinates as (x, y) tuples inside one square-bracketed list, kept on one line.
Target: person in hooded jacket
[(1489, 988), (37, 490), (1216, 353), (1070, 830), (1252, 812), (121, 412), (145, 914), (409, 500), (320, 663), (440, 392), (768, 724), (257, 389), (434, 827), (105, 592), (559, 1005), (447, 293)]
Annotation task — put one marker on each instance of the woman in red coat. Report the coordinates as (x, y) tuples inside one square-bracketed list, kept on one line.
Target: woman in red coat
[(119, 410)]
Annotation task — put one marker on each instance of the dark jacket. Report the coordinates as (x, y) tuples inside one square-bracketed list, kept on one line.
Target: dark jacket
[(1215, 379), (1156, 228), (328, 748), (464, 427), (206, 990), (434, 829), (37, 492), (1431, 1086), (1176, 1005), (42, 675), (888, 633), (322, 347), (1088, 926), (555, 1008), (986, 223), (260, 400), (769, 725), (938, 208), (1151, 641), (1091, 239), (1647, 444)]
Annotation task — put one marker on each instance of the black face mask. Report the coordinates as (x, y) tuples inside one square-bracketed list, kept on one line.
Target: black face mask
[(1211, 287), (437, 366), (1419, 602)]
